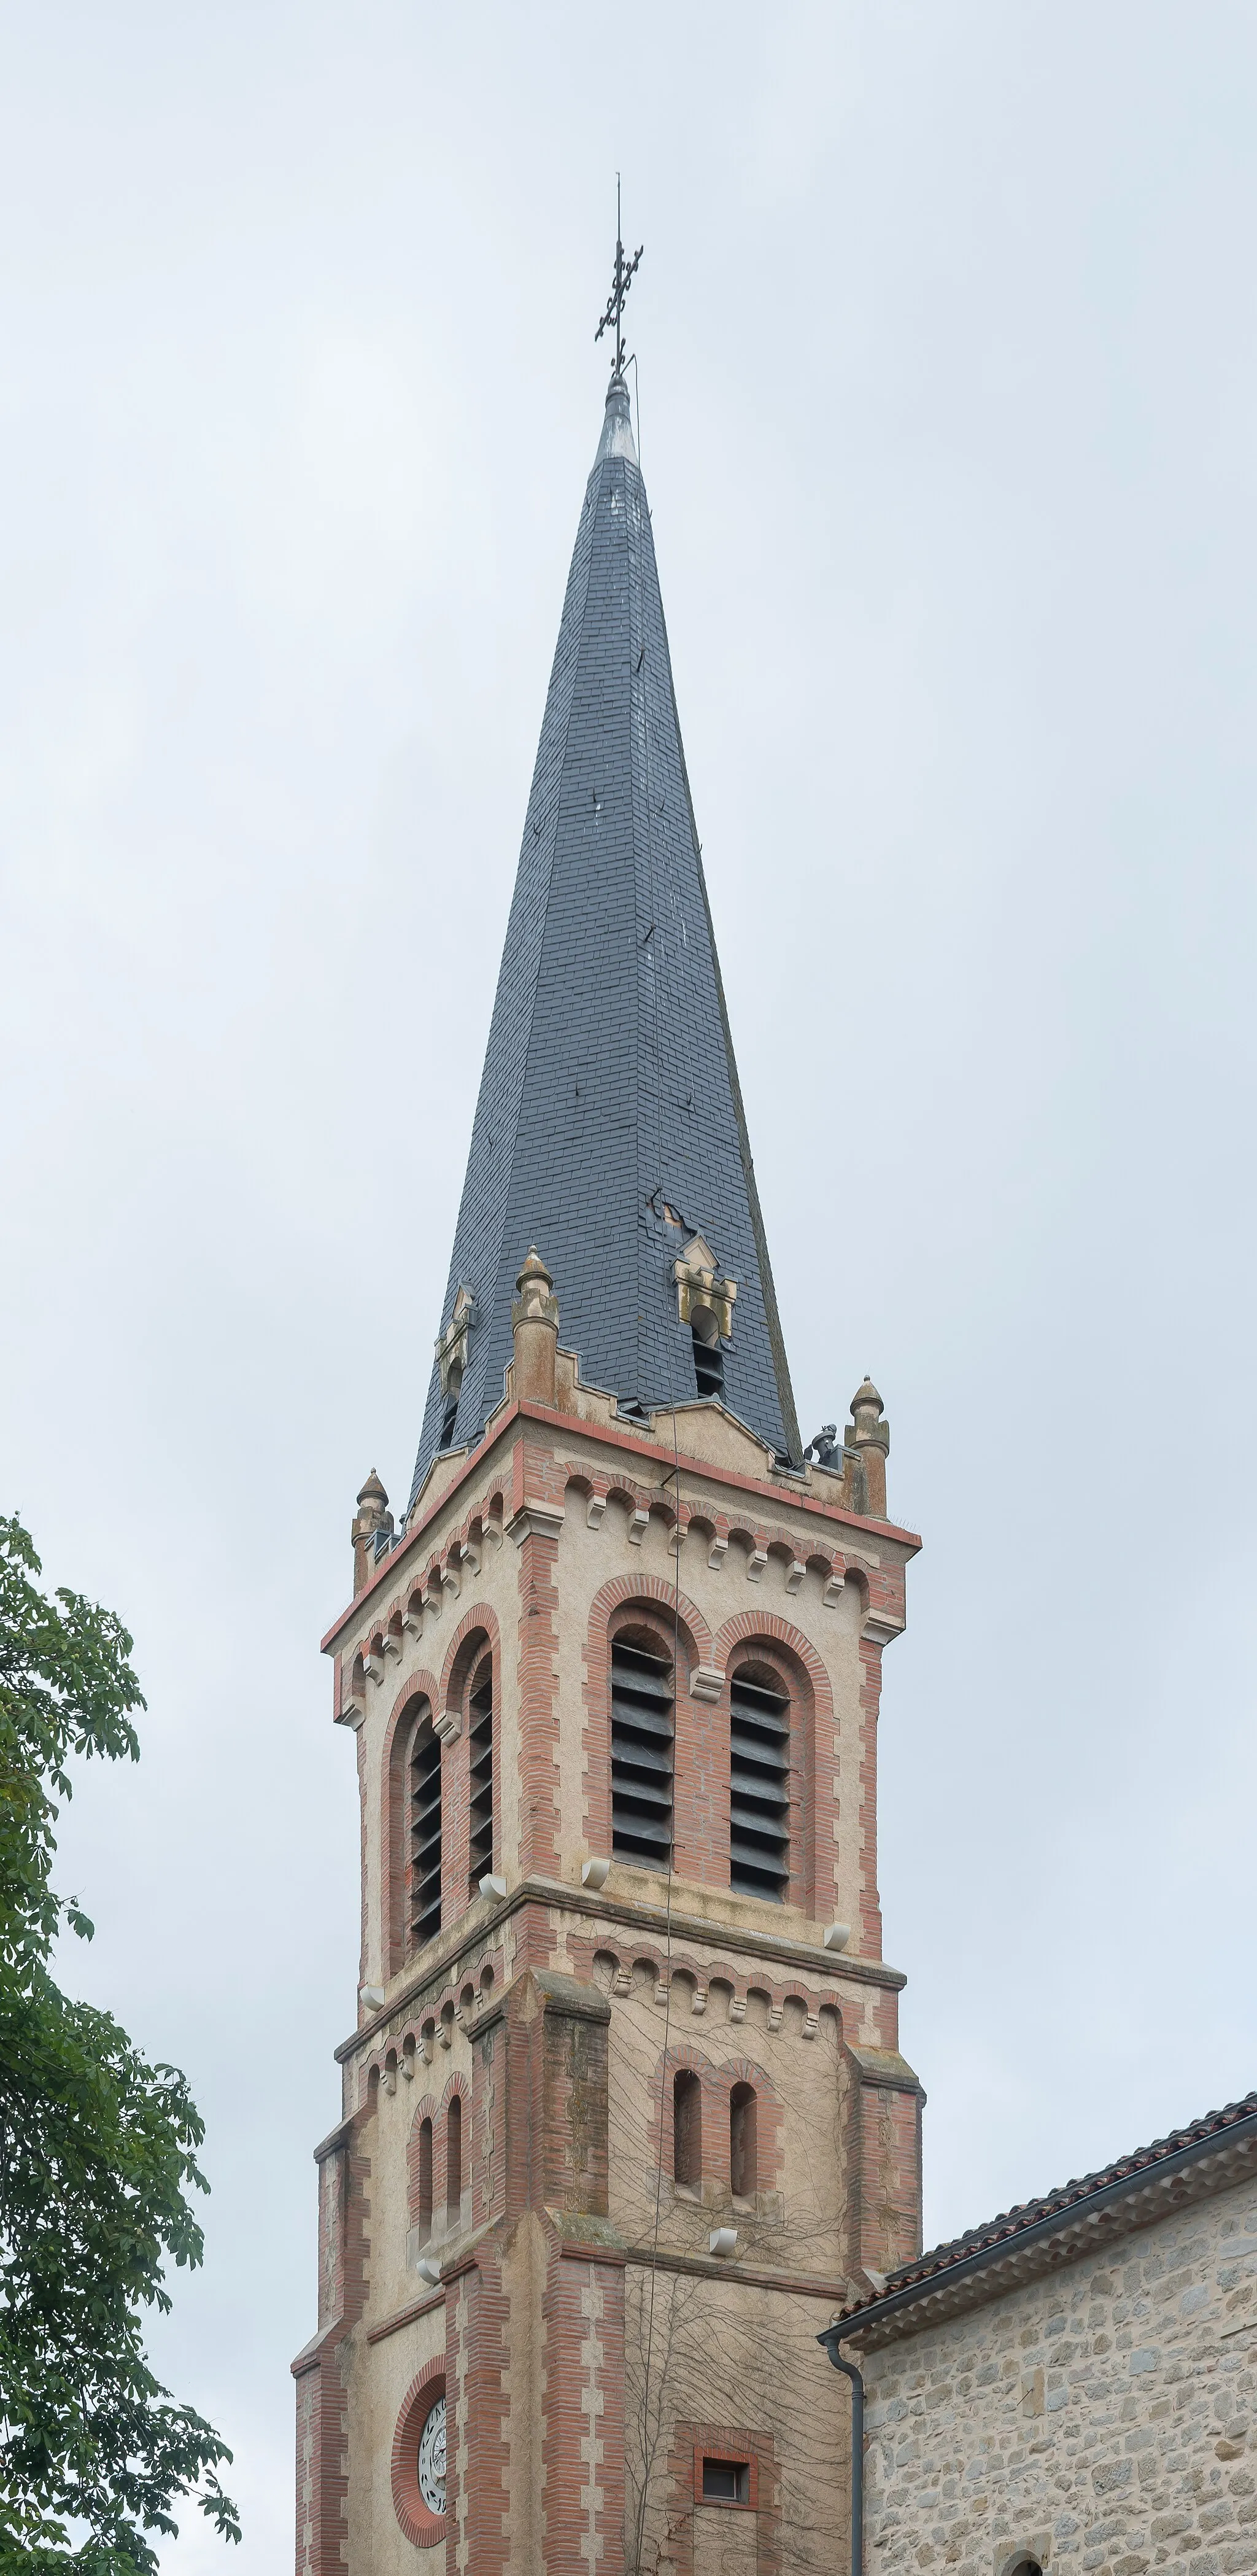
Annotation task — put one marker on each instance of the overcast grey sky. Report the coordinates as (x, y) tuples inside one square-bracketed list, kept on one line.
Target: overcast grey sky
[(947, 396)]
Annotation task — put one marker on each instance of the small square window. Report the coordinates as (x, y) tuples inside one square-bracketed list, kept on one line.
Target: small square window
[(726, 2482)]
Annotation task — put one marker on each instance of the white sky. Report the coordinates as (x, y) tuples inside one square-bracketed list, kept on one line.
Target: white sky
[(947, 405)]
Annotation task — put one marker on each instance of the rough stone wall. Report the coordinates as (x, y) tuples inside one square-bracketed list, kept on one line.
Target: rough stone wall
[(1100, 2420)]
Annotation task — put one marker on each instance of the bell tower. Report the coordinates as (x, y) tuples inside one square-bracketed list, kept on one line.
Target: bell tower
[(623, 2114)]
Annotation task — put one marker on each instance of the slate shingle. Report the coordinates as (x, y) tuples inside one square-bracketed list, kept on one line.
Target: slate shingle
[(609, 1083)]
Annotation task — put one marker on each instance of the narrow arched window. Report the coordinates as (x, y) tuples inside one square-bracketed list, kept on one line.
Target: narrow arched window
[(687, 2127), (742, 2141), (709, 1359), (759, 1784), (454, 2156), (480, 1759), (453, 1389), (425, 2178), (641, 1751), (425, 1831)]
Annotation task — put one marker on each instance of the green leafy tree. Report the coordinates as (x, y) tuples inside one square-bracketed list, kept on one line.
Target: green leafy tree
[(97, 2149)]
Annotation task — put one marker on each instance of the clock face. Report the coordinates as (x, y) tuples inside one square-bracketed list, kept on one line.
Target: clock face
[(432, 2459)]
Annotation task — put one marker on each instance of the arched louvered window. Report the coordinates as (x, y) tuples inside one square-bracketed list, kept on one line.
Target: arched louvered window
[(480, 1761), (687, 2127), (743, 2141), (709, 1358), (425, 1831), (454, 2156), (759, 1783), (641, 1751)]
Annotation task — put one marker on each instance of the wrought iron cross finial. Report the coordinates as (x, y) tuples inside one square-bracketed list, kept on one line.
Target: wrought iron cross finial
[(624, 273)]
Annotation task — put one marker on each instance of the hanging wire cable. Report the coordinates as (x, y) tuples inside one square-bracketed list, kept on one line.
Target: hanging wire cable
[(667, 2016)]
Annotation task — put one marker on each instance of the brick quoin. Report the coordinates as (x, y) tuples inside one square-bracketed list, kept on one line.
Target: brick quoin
[(538, 1703), (320, 2371), (483, 2357), (583, 2442), (870, 1704)]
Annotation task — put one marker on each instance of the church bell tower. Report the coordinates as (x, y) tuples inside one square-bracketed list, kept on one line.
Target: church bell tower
[(624, 2117)]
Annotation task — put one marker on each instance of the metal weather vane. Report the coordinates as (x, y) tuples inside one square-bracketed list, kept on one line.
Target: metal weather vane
[(622, 278)]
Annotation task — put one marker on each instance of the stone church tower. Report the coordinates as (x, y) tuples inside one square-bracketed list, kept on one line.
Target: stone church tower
[(624, 2117)]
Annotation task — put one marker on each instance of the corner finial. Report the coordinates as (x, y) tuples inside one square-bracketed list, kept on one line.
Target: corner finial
[(871, 1437), (535, 1326), (372, 1516), (623, 274)]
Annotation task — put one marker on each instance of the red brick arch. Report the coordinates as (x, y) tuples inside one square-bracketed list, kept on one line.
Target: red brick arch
[(393, 1854), (812, 1843), (476, 1623), (479, 1617), (653, 1594), (427, 2530)]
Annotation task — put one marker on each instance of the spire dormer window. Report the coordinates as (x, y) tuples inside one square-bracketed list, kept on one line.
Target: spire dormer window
[(705, 1302), (451, 1358), (709, 1359)]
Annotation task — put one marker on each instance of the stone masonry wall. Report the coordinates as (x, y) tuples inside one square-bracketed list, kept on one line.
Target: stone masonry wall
[(1102, 2420)]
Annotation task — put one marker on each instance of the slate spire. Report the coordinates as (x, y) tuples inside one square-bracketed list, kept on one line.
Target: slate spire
[(609, 1103)]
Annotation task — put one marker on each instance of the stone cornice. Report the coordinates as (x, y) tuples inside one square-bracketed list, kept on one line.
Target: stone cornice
[(476, 1928), (570, 1427)]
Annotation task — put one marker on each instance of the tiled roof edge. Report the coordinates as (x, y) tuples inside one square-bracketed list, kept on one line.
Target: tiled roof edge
[(943, 2264)]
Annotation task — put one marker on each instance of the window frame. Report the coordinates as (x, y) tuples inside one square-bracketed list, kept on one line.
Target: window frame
[(454, 2172), (738, 2108), (482, 1672), (424, 1719), (636, 1632), (753, 1659), (718, 2455), (687, 2125)]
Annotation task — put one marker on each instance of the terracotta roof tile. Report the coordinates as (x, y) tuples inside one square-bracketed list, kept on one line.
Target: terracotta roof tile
[(1012, 2223)]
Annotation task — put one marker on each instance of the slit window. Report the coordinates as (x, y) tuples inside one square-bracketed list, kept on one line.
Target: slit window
[(453, 1390), (759, 1785), (642, 1734), (425, 2179), (425, 1832), (480, 1760), (742, 2141), (709, 1359), (687, 2127), (726, 2481), (454, 2156)]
